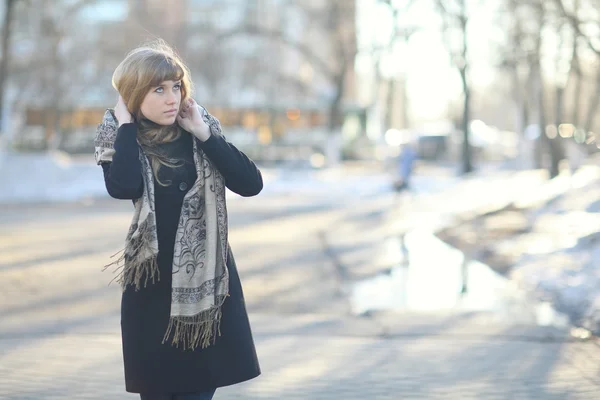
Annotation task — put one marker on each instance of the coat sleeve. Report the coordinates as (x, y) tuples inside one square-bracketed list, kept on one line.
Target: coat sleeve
[(241, 175), (123, 176)]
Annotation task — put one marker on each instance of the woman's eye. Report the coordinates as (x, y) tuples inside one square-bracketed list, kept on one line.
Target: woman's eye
[(159, 90), (177, 86)]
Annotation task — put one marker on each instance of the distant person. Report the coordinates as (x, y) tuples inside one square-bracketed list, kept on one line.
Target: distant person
[(185, 330), (405, 166)]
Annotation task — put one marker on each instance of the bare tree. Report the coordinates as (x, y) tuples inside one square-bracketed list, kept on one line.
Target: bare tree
[(66, 58), (580, 16), (52, 68), (401, 32), (455, 21), (513, 58), (9, 6), (564, 61), (529, 23)]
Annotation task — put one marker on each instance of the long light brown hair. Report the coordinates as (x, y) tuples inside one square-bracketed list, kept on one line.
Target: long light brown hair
[(143, 69)]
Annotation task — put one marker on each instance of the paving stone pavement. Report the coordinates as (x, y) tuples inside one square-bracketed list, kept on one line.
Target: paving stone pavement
[(321, 357), (59, 321)]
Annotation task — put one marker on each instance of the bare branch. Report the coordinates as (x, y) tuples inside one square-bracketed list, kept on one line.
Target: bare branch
[(76, 7), (305, 50), (446, 13), (576, 24)]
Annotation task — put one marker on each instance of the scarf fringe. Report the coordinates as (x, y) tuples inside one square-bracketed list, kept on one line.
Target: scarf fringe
[(137, 264), (134, 275), (200, 330), (130, 271)]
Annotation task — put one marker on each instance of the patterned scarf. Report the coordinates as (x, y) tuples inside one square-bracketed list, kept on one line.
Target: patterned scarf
[(200, 276)]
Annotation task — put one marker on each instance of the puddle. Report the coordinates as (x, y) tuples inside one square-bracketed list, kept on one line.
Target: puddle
[(429, 275)]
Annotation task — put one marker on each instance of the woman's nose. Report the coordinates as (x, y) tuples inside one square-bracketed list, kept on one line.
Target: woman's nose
[(171, 98)]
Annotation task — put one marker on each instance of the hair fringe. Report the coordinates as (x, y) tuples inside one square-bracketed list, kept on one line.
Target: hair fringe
[(155, 60)]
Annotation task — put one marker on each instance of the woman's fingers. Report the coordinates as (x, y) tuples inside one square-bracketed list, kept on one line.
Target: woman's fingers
[(186, 108)]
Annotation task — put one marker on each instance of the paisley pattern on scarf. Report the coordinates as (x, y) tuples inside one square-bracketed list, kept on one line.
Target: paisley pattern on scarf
[(200, 281)]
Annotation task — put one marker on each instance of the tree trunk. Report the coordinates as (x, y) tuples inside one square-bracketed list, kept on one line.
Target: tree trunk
[(557, 152), (6, 33), (576, 68), (467, 156), (541, 141), (531, 107), (545, 141), (519, 92), (521, 118), (389, 109), (55, 138), (335, 112), (333, 150), (594, 104), (552, 146), (405, 113), (467, 164), (576, 110)]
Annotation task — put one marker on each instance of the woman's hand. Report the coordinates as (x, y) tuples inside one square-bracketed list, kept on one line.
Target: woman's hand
[(122, 113), (190, 119)]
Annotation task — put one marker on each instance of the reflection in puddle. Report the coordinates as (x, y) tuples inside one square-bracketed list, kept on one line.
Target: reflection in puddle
[(430, 275)]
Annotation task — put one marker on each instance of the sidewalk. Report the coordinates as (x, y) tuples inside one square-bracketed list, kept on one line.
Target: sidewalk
[(319, 357), (61, 341)]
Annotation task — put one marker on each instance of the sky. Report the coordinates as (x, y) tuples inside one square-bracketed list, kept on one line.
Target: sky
[(432, 81), (111, 10)]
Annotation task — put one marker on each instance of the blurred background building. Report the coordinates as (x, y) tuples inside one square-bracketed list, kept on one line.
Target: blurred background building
[(295, 81)]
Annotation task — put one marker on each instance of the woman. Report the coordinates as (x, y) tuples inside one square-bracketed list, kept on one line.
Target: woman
[(184, 325)]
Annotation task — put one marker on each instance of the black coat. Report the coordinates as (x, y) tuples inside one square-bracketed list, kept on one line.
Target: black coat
[(150, 366)]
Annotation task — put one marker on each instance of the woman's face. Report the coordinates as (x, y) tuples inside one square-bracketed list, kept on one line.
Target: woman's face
[(161, 104)]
